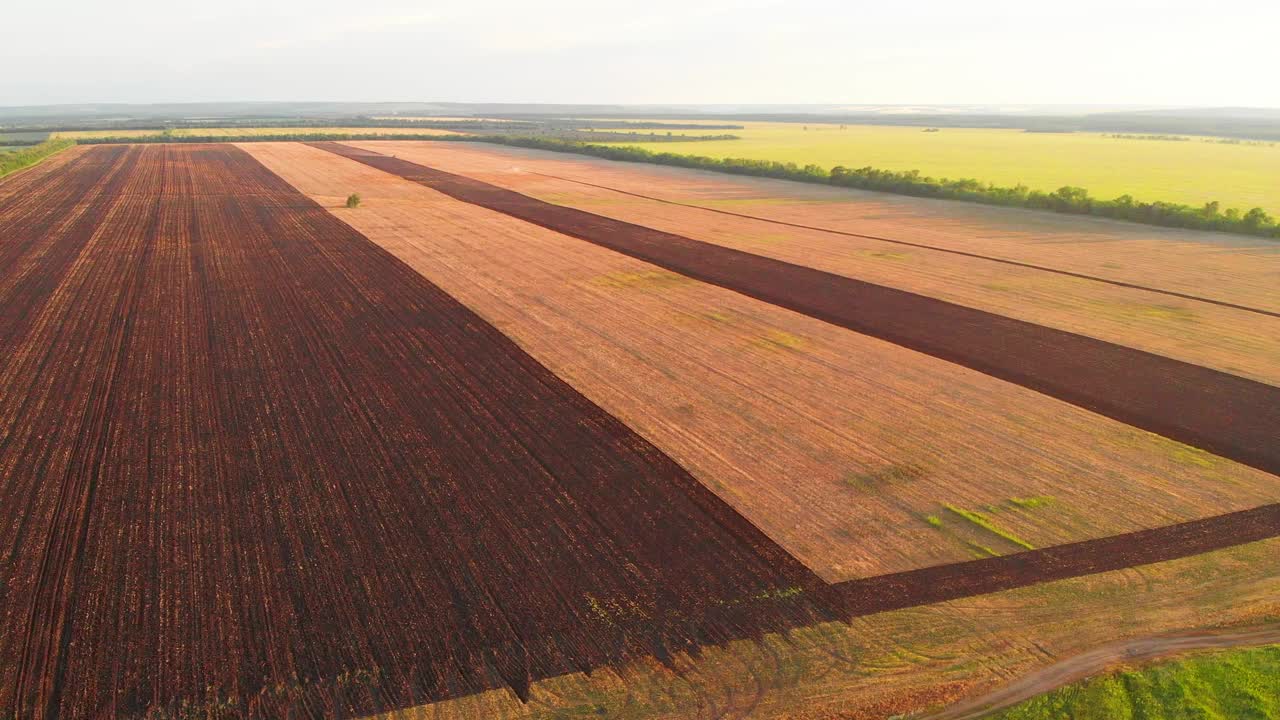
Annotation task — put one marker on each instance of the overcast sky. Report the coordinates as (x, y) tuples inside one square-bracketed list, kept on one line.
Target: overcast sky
[(1168, 52)]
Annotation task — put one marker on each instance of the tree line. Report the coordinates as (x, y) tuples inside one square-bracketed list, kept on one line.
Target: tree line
[(1067, 199)]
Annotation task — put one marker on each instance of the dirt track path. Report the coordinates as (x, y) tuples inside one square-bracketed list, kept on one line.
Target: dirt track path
[(1079, 667)]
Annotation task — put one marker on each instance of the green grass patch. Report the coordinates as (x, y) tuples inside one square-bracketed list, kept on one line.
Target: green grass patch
[(1172, 449), (879, 477), (1030, 503), (16, 160), (780, 339), (1224, 685), (986, 523)]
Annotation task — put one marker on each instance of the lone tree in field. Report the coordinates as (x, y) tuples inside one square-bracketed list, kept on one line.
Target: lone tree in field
[(353, 200)]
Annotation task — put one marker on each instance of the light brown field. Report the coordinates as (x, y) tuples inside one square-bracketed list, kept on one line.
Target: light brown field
[(839, 446), (1241, 270)]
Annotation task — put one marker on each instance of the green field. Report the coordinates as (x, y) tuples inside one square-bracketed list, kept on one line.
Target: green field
[(1225, 685), (1194, 171)]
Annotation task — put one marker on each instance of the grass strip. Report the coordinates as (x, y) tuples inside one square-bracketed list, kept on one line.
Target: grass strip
[(985, 522), (13, 161)]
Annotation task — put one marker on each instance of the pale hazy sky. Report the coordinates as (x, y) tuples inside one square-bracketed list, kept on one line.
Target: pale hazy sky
[(1172, 52)]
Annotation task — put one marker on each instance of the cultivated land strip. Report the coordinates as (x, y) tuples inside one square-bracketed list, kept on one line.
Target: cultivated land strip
[(265, 468), (965, 579), (234, 507), (923, 246), (838, 445), (1224, 414)]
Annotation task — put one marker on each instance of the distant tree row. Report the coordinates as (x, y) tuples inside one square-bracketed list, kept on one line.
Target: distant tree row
[(1068, 199), (1164, 138), (272, 137), (1072, 200), (18, 159), (1183, 138)]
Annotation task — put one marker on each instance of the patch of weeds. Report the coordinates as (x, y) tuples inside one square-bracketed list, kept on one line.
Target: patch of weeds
[(1031, 503), (983, 521), (643, 280), (612, 610), (980, 550), (771, 594), (1174, 450), (879, 477), (933, 521), (775, 339)]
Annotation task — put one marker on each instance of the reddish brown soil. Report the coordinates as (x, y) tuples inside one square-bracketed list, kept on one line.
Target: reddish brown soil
[(1224, 414), (267, 470), (262, 464), (976, 577)]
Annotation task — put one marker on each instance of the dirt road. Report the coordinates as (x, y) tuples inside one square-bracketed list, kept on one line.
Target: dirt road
[(1091, 663)]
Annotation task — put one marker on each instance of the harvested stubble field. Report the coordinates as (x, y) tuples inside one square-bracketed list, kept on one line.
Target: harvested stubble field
[(1216, 411), (791, 420), (1244, 272), (310, 472)]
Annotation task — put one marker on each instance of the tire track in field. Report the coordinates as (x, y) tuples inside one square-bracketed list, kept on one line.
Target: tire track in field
[(1225, 414), (1079, 667), (924, 246)]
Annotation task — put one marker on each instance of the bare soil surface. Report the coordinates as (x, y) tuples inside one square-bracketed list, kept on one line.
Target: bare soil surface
[(843, 448), (1159, 320), (1224, 414)]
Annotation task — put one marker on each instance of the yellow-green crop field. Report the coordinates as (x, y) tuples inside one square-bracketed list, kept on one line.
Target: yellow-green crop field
[(1194, 171), (264, 131)]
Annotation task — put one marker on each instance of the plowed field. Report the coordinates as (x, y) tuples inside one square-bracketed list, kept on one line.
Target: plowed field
[(274, 460), (262, 463)]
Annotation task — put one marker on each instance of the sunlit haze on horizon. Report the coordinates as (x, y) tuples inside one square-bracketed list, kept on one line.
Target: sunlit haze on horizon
[(1125, 52)]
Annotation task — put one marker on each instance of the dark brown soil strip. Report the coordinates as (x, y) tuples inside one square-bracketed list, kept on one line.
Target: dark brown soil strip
[(1224, 414), (923, 246), (265, 469), (979, 577)]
